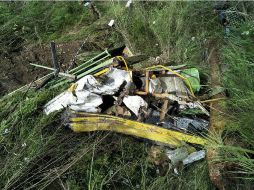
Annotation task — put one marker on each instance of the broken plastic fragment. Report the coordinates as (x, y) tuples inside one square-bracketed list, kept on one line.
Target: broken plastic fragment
[(193, 77), (182, 155)]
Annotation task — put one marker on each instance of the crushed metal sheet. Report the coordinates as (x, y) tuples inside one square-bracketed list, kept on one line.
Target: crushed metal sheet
[(59, 102), (86, 96), (186, 124), (110, 84), (174, 86), (195, 156), (177, 155), (182, 155), (85, 101)]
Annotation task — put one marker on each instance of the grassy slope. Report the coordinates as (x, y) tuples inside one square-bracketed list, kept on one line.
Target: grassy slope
[(115, 162)]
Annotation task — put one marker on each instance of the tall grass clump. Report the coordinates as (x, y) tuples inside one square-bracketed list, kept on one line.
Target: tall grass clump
[(236, 144)]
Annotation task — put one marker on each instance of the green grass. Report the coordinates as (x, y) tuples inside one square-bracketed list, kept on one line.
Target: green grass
[(29, 22), (236, 143), (39, 150)]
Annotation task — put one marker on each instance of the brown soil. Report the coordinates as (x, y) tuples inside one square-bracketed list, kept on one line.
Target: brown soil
[(16, 70)]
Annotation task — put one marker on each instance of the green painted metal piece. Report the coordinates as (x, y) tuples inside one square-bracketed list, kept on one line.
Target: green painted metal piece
[(95, 68), (85, 67), (81, 67), (105, 54), (192, 75)]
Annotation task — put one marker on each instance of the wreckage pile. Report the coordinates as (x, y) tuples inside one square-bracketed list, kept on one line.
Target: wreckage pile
[(157, 103)]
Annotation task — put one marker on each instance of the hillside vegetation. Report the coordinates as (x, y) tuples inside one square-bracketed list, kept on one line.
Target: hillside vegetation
[(38, 151)]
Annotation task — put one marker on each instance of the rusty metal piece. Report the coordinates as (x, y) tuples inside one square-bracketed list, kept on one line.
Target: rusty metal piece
[(147, 82), (164, 109), (146, 86)]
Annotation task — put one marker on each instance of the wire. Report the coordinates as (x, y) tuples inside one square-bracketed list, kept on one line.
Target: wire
[(177, 74), (126, 65)]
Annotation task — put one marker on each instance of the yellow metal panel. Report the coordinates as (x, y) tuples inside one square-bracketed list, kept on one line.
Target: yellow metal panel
[(101, 72), (97, 122)]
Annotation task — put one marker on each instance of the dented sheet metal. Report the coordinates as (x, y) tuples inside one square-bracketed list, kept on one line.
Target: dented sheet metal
[(187, 124), (193, 157), (183, 155), (174, 86), (86, 96), (81, 100), (86, 122), (110, 84)]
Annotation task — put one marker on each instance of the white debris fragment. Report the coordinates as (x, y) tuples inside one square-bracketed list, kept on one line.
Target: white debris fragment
[(111, 23), (176, 171), (6, 131), (195, 156), (87, 4), (85, 108), (128, 4), (134, 103), (246, 33), (86, 80), (23, 144), (59, 102)]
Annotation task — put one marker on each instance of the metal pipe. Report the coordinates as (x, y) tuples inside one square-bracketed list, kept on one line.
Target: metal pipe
[(72, 77), (54, 58), (42, 66)]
